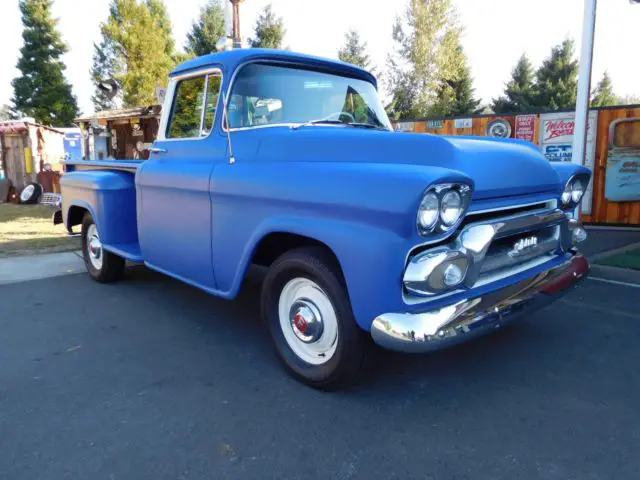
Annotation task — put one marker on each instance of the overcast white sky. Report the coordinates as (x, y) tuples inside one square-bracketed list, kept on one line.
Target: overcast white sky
[(497, 33)]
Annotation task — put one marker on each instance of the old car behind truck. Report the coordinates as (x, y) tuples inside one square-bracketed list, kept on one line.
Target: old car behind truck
[(412, 242)]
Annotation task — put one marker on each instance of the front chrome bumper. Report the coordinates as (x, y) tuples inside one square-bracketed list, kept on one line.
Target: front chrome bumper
[(458, 322)]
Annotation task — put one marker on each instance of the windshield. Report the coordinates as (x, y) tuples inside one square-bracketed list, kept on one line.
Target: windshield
[(268, 94)]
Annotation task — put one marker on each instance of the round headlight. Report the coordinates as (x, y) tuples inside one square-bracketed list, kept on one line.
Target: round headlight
[(451, 208), (428, 212), (577, 191), (567, 194)]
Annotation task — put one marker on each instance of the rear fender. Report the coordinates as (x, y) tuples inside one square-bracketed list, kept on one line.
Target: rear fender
[(109, 196)]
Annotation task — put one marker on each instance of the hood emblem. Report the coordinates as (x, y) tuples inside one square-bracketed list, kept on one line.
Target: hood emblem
[(524, 245)]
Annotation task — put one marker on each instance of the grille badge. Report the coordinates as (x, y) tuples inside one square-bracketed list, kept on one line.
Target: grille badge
[(523, 246)]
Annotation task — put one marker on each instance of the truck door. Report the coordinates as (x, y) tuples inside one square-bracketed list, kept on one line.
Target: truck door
[(174, 203), (622, 182)]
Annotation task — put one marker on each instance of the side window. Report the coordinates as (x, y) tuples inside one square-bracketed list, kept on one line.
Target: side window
[(186, 113), (194, 107), (213, 92)]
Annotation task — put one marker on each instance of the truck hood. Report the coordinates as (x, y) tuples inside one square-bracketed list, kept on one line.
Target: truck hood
[(499, 168)]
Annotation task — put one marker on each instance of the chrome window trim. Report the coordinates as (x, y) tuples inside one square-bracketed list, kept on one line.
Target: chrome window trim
[(550, 204), (168, 103), (290, 63)]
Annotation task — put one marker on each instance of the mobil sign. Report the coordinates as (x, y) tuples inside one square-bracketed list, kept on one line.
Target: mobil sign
[(556, 142)]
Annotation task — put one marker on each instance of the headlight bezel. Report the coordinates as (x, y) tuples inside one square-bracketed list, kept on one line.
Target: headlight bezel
[(442, 225), (568, 195)]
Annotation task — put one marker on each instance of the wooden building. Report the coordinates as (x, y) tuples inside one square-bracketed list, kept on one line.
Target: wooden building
[(30, 152), (120, 134), (613, 151)]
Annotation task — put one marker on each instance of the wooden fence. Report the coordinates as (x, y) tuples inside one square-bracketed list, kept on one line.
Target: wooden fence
[(603, 211)]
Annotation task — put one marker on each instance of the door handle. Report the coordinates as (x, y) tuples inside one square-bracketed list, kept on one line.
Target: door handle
[(158, 150)]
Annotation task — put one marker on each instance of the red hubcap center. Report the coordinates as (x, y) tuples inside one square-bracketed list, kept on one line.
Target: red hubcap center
[(300, 322)]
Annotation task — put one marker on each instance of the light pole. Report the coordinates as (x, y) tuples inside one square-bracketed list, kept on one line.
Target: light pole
[(584, 82)]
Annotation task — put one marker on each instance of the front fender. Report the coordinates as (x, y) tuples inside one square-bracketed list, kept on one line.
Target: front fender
[(567, 170), (365, 213), (370, 257)]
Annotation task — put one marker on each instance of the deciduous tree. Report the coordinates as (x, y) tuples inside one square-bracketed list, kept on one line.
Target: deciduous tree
[(426, 40), (140, 32)]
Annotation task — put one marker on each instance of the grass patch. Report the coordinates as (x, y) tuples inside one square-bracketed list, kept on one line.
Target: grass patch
[(629, 259), (29, 230)]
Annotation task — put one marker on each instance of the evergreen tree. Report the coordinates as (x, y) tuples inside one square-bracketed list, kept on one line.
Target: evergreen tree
[(207, 30), (354, 50), (104, 68), (426, 53), (269, 31), (603, 95), (519, 92), (556, 84), (140, 32), (42, 91)]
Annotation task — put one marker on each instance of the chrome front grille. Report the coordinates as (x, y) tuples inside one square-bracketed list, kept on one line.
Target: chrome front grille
[(494, 244), (514, 250)]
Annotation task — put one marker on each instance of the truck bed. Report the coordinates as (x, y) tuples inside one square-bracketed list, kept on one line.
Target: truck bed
[(121, 165)]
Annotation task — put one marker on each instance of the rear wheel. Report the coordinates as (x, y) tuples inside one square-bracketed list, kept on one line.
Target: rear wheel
[(103, 266), (307, 311)]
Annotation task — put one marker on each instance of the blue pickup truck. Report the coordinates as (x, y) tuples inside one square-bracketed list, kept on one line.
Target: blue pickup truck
[(409, 241)]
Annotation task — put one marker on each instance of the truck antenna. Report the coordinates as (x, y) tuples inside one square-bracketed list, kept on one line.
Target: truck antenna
[(225, 119)]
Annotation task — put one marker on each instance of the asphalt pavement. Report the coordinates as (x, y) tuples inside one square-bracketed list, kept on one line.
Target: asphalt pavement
[(150, 378)]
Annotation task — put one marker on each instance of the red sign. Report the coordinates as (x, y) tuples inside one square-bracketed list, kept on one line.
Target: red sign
[(558, 128), (526, 127)]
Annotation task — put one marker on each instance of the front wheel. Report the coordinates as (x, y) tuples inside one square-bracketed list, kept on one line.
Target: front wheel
[(103, 266), (307, 311)]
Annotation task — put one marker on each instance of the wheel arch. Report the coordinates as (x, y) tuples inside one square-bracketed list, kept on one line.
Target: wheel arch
[(276, 243), (75, 214)]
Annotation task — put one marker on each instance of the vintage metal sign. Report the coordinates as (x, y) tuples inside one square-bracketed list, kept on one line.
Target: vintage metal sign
[(405, 127), (556, 143), (622, 182), (526, 127), (558, 153), (499, 128), (435, 124), (463, 123)]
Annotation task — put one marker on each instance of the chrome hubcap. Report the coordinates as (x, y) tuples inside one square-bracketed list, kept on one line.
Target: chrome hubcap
[(308, 321), (94, 246), (26, 193)]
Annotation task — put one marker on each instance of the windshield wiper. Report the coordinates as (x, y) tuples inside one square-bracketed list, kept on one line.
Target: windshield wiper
[(368, 125), (327, 121)]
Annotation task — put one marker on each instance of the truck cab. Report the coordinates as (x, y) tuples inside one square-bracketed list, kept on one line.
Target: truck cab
[(412, 242)]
